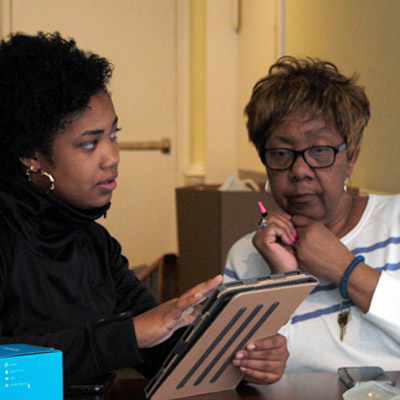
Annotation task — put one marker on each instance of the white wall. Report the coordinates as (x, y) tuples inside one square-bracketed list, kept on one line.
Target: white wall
[(238, 52), (221, 91), (259, 47), (360, 36)]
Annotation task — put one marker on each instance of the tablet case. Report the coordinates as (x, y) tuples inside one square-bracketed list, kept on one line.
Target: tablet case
[(237, 313)]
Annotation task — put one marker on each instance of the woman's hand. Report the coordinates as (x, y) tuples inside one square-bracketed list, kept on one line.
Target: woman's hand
[(158, 324), (319, 251), (275, 242), (322, 254), (263, 361)]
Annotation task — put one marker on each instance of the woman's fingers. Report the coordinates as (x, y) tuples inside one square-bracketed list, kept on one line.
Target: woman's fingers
[(263, 361), (158, 324), (278, 227), (198, 293), (284, 228)]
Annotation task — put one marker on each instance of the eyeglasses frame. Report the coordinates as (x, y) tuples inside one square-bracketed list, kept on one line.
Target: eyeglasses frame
[(336, 149)]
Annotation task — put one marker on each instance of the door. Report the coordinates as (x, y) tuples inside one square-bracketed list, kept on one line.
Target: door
[(139, 38)]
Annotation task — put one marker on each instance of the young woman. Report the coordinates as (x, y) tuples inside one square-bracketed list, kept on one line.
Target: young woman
[(63, 280)]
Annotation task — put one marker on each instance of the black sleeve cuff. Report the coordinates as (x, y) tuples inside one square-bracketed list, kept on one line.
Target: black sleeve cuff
[(113, 342)]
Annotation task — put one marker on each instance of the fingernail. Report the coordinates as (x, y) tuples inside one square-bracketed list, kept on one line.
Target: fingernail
[(251, 347), (239, 356), (288, 215), (295, 232), (294, 238)]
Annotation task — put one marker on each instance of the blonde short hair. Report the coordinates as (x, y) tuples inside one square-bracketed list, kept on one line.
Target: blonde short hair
[(307, 86)]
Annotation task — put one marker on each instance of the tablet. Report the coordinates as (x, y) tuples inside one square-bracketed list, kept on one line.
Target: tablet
[(237, 313)]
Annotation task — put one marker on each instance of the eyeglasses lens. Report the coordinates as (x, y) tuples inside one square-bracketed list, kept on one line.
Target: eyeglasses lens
[(317, 157)]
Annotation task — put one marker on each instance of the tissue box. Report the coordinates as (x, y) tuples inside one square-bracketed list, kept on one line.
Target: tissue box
[(210, 221), (30, 372)]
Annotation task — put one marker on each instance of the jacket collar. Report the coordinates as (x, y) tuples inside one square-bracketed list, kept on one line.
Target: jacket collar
[(46, 222)]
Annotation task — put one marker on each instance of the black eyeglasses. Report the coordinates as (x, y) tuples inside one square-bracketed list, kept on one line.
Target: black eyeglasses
[(280, 159)]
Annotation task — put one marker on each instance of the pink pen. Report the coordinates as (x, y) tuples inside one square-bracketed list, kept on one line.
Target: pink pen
[(262, 223)]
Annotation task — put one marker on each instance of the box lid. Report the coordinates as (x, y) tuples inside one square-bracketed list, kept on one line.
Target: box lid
[(11, 350)]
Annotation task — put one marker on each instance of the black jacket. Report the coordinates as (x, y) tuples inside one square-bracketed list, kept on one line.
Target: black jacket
[(64, 284)]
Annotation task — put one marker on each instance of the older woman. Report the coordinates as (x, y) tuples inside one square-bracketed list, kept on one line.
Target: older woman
[(306, 120)]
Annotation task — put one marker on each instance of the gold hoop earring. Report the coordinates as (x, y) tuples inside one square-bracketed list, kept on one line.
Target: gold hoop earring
[(50, 178), (267, 188), (29, 170), (348, 187), (43, 173)]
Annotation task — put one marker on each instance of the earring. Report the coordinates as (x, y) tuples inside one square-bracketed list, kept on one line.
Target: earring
[(43, 173), (49, 177), (348, 187), (267, 188), (29, 170)]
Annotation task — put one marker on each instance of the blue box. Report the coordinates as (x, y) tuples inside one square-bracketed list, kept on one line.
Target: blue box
[(30, 372)]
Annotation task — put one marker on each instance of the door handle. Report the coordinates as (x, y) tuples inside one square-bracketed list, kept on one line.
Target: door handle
[(164, 145)]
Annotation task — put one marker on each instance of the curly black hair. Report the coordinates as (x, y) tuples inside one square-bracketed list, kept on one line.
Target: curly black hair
[(45, 80)]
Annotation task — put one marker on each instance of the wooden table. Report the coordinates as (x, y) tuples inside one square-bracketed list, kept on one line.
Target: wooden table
[(321, 386)]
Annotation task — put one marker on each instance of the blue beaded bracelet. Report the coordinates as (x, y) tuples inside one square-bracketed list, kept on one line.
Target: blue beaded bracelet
[(343, 282)]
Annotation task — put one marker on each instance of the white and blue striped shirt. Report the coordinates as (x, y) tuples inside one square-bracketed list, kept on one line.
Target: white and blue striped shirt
[(313, 331)]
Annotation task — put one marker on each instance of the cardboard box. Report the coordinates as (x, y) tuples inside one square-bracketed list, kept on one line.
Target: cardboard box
[(210, 221), (30, 372)]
